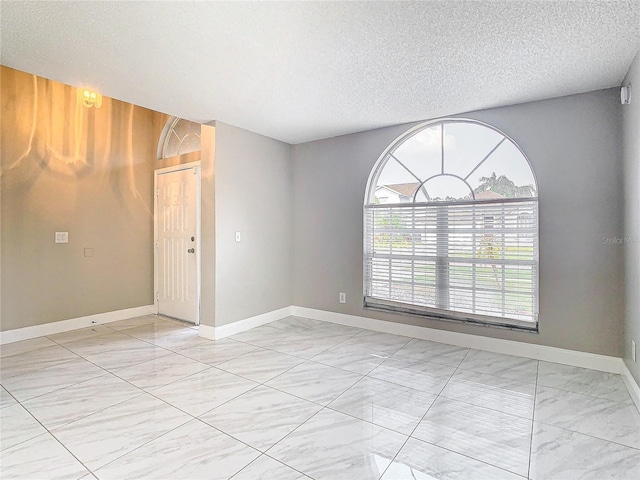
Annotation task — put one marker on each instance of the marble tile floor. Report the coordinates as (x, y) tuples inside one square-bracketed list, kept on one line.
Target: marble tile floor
[(301, 399)]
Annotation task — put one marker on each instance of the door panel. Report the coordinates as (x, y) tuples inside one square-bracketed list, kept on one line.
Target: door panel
[(176, 225)]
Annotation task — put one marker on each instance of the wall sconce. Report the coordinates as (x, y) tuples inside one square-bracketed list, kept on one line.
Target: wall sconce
[(89, 98)]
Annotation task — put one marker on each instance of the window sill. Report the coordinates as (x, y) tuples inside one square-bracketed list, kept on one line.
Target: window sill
[(433, 314)]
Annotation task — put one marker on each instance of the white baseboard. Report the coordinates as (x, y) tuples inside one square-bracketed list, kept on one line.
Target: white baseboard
[(632, 385), (216, 333), (10, 336), (528, 350), (207, 331), (509, 347)]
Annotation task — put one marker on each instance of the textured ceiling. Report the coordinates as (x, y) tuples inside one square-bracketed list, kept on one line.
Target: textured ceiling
[(300, 71)]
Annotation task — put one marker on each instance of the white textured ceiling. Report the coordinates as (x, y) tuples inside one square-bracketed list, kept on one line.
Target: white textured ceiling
[(300, 71)]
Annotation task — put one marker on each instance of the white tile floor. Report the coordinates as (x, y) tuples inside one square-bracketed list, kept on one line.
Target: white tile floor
[(300, 399)]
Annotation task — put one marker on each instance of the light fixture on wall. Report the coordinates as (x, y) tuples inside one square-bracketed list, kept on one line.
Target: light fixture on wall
[(625, 95), (89, 98)]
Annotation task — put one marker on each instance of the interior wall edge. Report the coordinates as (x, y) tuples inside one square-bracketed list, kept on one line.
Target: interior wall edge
[(632, 385), (223, 331)]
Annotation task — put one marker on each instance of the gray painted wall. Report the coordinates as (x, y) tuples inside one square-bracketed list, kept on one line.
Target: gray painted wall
[(573, 144), (631, 149), (252, 196)]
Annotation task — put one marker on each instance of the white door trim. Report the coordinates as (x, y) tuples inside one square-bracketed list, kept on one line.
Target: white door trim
[(156, 173)]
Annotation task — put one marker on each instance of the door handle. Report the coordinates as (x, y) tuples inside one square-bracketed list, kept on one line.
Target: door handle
[(191, 250)]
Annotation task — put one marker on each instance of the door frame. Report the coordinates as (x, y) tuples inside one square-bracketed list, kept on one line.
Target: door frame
[(156, 173)]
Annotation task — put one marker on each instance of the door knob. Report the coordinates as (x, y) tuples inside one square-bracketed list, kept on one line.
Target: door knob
[(191, 250)]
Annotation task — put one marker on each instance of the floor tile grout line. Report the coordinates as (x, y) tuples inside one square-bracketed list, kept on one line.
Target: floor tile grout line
[(322, 407), (57, 440), (262, 452), (613, 442), (210, 366), (158, 387), (425, 413), (92, 378), (11, 395), (255, 381), (410, 436), (292, 431), (437, 395), (359, 380), (143, 391), (305, 358), (484, 407), (533, 409), (144, 444), (114, 349), (265, 455), (223, 403), (406, 386), (169, 351), (5, 345), (60, 388), (452, 375), (420, 421), (5, 378), (173, 322), (308, 475), (630, 402), (297, 356), (408, 359)]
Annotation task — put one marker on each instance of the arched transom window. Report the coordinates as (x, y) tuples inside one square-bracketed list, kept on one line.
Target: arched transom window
[(451, 227), (178, 137)]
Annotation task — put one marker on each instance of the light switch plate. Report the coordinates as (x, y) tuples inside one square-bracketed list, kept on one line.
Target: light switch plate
[(62, 237), (238, 237)]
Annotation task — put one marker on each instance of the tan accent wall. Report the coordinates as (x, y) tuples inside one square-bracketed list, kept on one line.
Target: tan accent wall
[(84, 171)]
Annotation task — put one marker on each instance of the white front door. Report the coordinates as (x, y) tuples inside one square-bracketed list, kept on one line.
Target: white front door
[(176, 223)]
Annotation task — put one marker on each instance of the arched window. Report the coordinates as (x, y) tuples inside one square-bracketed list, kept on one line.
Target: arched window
[(178, 137), (451, 227)]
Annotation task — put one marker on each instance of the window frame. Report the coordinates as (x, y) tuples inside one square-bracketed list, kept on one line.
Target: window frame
[(389, 305), (168, 131)]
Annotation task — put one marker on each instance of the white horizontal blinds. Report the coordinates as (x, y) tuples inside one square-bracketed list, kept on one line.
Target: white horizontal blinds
[(472, 258)]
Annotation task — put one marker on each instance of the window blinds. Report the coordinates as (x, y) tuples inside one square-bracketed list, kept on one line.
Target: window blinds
[(475, 261)]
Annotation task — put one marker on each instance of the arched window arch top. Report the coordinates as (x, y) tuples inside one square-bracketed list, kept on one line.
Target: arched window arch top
[(179, 136), (451, 160), (451, 227)]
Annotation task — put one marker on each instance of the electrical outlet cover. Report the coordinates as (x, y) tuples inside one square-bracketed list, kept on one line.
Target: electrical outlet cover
[(62, 237)]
